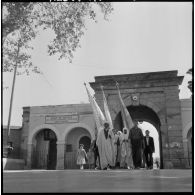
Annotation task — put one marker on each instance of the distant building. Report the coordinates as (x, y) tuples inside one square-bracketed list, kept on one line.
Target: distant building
[(50, 135), (14, 140)]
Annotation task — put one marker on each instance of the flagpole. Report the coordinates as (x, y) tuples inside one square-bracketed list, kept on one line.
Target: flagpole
[(11, 103), (98, 115), (12, 94), (127, 120)]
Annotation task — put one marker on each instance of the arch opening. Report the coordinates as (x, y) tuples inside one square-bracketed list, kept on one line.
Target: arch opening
[(44, 154), (155, 135), (148, 120), (86, 141), (75, 137)]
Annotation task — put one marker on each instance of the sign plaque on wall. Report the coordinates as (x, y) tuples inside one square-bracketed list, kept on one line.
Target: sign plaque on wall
[(59, 119)]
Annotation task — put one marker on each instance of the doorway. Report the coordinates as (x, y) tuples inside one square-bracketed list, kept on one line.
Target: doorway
[(86, 141), (52, 155), (44, 150), (76, 136)]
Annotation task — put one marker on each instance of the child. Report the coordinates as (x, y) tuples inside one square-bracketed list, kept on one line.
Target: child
[(81, 155), (90, 157)]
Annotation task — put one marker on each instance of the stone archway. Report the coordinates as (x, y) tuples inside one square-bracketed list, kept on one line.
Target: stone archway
[(73, 138), (81, 125), (156, 90), (44, 150), (38, 128), (32, 145), (86, 141)]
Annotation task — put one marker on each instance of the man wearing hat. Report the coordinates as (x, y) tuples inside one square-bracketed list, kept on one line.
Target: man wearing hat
[(104, 143)]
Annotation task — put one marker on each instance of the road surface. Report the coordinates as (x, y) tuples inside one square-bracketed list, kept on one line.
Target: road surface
[(169, 180)]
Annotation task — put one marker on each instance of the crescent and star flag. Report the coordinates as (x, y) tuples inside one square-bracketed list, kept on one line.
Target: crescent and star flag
[(97, 113), (106, 110), (127, 120)]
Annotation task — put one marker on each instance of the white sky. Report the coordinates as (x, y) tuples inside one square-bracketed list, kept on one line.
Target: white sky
[(139, 37)]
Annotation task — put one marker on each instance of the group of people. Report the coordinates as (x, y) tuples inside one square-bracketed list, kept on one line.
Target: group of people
[(128, 149)]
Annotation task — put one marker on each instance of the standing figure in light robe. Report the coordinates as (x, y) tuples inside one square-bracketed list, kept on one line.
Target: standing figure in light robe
[(126, 151), (116, 140), (111, 134), (105, 147)]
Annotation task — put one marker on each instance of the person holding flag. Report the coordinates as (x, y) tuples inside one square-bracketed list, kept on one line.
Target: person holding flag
[(104, 135), (126, 159), (105, 147), (97, 113), (126, 153), (112, 131), (99, 121)]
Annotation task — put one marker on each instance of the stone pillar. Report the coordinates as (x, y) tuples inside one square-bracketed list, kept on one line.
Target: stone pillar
[(174, 124), (186, 153), (29, 155), (185, 147), (60, 155)]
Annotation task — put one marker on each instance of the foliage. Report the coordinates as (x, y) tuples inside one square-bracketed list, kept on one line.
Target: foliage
[(25, 20), (15, 52), (18, 31), (15, 15)]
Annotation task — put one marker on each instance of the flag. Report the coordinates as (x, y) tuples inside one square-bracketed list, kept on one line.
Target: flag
[(126, 117), (97, 113), (106, 110)]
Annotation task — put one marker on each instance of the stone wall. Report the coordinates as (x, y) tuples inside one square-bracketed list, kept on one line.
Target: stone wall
[(158, 91), (34, 120), (15, 139)]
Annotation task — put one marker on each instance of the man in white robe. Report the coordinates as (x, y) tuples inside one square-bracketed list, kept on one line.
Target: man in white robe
[(105, 147), (126, 151), (115, 140)]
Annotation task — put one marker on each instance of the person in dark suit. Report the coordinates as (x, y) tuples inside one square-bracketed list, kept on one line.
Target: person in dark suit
[(136, 136), (148, 149), (96, 153)]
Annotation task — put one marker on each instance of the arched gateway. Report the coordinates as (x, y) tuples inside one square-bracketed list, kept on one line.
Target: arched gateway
[(142, 113), (75, 137), (44, 150), (152, 97)]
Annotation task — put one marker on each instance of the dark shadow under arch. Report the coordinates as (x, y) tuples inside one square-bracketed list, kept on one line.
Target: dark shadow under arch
[(86, 141), (44, 150), (76, 136)]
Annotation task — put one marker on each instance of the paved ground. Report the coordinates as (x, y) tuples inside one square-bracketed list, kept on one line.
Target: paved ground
[(98, 181)]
